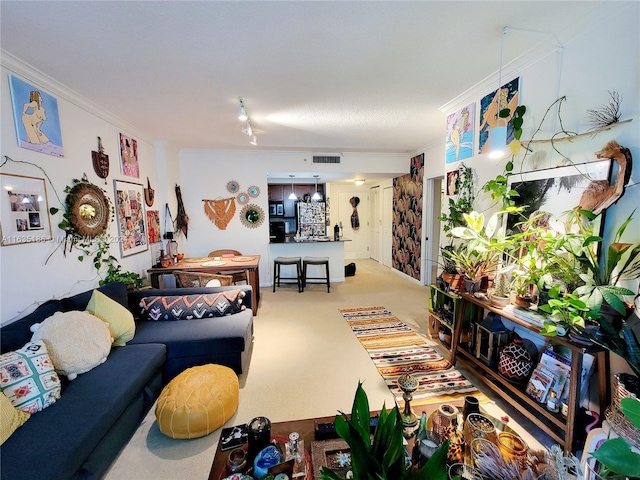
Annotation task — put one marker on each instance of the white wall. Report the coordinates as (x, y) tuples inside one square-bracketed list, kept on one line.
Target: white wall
[(25, 279), (204, 174)]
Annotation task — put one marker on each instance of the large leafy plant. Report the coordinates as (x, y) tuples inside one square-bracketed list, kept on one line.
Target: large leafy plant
[(382, 458)]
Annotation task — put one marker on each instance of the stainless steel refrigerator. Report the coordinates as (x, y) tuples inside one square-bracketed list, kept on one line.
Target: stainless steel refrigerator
[(312, 217)]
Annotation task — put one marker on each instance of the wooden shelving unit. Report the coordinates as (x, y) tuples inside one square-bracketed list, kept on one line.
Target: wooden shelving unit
[(561, 429)]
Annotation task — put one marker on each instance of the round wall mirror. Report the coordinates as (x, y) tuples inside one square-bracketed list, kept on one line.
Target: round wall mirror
[(251, 216), (90, 209)]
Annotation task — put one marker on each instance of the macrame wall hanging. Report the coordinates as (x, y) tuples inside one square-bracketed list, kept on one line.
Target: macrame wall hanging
[(220, 211)]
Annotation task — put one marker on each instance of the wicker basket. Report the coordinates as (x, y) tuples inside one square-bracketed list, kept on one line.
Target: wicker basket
[(197, 279), (624, 386), (622, 426)]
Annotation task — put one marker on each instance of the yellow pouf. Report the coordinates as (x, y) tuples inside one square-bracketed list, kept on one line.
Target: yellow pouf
[(198, 401)]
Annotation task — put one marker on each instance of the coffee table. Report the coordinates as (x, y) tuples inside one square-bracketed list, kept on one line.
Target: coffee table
[(304, 427)]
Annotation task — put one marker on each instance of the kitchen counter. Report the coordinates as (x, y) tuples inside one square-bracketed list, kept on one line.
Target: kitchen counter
[(311, 247)]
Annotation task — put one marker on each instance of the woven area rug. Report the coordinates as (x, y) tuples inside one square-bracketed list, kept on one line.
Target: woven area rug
[(397, 349)]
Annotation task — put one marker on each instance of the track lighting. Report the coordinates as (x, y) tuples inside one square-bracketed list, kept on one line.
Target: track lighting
[(242, 112), (247, 130), (243, 115)]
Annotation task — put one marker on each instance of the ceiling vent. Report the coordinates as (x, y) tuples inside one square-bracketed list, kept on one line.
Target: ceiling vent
[(326, 159)]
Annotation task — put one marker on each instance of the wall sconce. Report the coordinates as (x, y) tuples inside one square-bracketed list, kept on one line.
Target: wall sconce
[(292, 195)]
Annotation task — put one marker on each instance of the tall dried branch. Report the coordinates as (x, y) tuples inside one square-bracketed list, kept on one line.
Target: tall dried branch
[(606, 115)]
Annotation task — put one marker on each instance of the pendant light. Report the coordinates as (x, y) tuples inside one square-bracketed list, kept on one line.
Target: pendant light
[(316, 196), (292, 195), (498, 134)]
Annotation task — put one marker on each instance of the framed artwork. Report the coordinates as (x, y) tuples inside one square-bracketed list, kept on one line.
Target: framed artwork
[(129, 156), (460, 133), (557, 190), (153, 226), (36, 117), (272, 209), (452, 182), (508, 96), (130, 217), (280, 209), (24, 210)]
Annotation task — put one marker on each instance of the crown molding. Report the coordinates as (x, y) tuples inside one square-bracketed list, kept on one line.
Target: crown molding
[(32, 74)]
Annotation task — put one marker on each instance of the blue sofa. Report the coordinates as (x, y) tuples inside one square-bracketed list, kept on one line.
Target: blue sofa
[(80, 435)]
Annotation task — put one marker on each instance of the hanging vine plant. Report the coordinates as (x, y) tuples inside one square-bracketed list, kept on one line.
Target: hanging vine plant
[(85, 221), (462, 201)]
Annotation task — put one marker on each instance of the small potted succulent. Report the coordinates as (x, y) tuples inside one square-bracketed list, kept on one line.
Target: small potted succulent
[(499, 295)]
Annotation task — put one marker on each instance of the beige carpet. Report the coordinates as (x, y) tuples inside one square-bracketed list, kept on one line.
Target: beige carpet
[(306, 362)]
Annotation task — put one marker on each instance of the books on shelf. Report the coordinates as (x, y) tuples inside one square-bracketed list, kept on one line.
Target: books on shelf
[(527, 315), (540, 383)]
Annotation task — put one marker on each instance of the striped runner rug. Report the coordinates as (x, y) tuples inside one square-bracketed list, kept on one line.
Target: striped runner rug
[(397, 349)]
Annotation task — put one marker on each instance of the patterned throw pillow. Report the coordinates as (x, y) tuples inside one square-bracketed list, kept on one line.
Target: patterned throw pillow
[(28, 379), (189, 307)]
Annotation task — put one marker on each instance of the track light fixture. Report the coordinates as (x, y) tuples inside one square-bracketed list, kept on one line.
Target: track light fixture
[(242, 112), (243, 115)]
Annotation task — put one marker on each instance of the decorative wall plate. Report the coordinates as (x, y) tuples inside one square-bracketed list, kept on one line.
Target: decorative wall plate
[(233, 186), (254, 191), (90, 209), (251, 216)]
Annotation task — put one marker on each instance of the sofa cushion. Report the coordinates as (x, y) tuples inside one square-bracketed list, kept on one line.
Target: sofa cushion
[(10, 418), (16, 334), (28, 379), (117, 317), (190, 307), (199, 337), (114, 290), (66, 433), (77, 341)]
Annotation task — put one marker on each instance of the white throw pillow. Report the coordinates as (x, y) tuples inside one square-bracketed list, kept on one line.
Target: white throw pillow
[(76, 341)]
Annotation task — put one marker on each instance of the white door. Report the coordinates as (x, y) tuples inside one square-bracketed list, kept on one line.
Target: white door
[(387, 226), (358, 246), (431, 228), (376, 224)]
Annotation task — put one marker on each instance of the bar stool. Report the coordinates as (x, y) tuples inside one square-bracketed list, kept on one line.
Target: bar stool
[(315, 261), (277, 262)]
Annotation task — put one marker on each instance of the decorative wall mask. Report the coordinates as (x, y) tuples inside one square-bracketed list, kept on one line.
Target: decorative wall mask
[(355, 221), (220, 211), (182, 220), (251, 216), (149, 194), (100, 162)]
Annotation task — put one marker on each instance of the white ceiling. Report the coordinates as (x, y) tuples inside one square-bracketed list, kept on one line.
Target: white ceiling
[(315, 76)]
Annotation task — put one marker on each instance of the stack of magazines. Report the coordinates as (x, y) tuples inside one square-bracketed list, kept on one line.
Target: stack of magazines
[(527, 315)]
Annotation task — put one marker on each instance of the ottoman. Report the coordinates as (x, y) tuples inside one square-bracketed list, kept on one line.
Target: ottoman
[(198, 401)]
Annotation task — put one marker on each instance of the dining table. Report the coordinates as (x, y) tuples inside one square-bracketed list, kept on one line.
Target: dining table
[(248, 263)]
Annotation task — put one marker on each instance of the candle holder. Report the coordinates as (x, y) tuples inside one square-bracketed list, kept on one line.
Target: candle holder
[(259, 436), (408, 385)]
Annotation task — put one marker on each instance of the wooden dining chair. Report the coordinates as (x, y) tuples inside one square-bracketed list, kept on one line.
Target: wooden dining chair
[(238, 275), (199, 279)]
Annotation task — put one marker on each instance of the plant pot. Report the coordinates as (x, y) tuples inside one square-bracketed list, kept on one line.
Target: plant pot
[(471, 286), (522, 301), (453, 279), (517, 360), (499, 301)]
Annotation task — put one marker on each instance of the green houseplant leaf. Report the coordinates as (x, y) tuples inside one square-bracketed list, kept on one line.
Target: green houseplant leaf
[(617, 457)]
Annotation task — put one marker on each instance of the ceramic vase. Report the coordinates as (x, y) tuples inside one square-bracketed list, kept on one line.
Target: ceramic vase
[(445, 417)]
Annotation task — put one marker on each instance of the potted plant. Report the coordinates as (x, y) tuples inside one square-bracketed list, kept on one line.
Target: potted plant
[(499, 295), (384, 457), (115, 274), (475, 265), (450, 272), (569, 314)]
